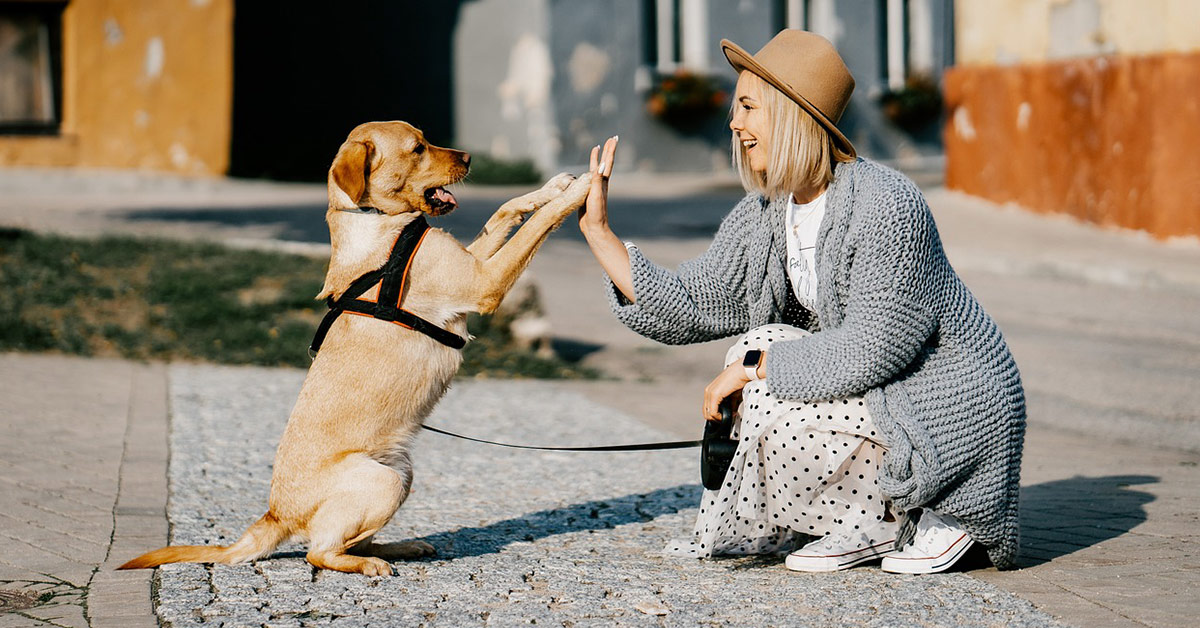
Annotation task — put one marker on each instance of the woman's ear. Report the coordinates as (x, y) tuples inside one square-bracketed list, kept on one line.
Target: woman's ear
[(350, 171)]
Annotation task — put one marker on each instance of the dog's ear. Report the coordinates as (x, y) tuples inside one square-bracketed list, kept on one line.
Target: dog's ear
[(351, 170)]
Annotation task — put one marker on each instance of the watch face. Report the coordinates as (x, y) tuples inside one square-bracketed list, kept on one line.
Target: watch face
[(752, 358)]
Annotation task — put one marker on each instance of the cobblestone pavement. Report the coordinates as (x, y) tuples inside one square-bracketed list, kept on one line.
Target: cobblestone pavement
[(564, 539)]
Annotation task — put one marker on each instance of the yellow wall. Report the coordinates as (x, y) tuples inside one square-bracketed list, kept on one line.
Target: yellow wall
[(147, 84), (1029, 31)]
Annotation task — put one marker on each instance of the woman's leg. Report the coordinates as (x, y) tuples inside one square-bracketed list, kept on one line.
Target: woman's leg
[(796, 470)]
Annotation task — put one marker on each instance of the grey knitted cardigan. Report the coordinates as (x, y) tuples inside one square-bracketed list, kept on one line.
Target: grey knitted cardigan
[(895, 323)]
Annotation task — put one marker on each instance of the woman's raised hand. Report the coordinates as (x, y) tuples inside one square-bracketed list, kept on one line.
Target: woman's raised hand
[(594, 216), (593, 222)]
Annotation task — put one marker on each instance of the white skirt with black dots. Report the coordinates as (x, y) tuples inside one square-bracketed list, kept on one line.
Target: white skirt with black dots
[(800, 469)]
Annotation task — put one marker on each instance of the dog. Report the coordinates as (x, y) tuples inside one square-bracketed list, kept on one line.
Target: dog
[(343, 468)]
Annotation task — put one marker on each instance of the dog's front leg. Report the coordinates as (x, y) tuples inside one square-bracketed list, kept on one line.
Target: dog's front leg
[(498, 273), (510, 214)]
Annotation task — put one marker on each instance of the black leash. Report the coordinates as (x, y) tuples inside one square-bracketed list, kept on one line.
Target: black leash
[(682, 444), (386, 307)]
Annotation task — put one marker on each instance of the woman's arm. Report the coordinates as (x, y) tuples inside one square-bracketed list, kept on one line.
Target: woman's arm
[(701, 301), (593, 222)]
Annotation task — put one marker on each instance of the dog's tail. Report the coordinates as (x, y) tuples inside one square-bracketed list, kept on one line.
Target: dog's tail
[(259, 539)]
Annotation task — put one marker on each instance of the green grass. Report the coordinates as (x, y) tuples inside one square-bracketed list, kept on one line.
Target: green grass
[(163, 299), (488, 170)]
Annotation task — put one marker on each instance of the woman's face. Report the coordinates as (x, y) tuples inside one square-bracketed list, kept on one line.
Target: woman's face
[(751, 124)]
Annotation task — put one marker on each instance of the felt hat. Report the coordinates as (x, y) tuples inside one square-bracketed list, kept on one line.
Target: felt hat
[(807, 69)]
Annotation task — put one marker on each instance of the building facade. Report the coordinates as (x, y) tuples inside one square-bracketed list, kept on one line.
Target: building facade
[(139, 84), (268, 88), (549, 79), (1084, 107)]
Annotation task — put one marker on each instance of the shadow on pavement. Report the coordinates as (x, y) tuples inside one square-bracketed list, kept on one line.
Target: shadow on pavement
[(1064, 516), (601, 514)]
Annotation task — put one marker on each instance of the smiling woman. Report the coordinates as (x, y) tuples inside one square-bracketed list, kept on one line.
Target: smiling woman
[(879, 409), (769, 128)]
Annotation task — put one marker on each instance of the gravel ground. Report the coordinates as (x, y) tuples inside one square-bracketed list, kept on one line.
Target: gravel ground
[(522, 537)]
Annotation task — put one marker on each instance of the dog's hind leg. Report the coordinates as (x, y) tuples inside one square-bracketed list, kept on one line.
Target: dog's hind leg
[(363, 499)]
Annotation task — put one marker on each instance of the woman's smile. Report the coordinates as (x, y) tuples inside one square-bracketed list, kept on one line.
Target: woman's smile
[(751, 123)]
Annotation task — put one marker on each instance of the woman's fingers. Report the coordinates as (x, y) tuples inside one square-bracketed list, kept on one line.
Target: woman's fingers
[(610, 150), (594, 160)]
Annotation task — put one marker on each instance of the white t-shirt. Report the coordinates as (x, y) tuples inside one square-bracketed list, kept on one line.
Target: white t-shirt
[(803, 223)]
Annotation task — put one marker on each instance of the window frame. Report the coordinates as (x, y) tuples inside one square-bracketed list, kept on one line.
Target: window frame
[(51, 13)]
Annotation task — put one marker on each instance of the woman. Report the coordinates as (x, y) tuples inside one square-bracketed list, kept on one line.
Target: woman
[(858, 338)]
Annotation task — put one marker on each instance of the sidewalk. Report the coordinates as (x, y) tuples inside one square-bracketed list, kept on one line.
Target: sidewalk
[(1102, 324), (1108, 530), (84, 472)]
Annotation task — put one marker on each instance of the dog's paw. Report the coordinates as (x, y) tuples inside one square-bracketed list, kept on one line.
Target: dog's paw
[(559, 182), (402, 550), (577, 192), (375, 567), (421, 549)]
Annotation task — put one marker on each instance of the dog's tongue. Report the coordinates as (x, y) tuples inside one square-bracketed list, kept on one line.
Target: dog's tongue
[(444, 196)]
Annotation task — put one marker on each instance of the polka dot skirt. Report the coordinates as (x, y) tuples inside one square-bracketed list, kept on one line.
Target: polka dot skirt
[(800, 469)]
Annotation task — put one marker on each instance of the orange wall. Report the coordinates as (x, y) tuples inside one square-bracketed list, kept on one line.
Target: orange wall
[(1111, 140), (147, 84)]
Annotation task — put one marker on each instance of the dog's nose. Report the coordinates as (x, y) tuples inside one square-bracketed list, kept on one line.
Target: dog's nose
[(466, 157)]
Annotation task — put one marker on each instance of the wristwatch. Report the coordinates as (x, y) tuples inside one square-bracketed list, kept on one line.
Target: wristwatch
[(751, 362)]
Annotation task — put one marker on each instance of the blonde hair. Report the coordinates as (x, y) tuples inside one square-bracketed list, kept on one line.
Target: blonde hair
[(802, 152)]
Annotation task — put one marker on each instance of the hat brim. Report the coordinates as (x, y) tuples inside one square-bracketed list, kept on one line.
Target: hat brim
[(742, 60)]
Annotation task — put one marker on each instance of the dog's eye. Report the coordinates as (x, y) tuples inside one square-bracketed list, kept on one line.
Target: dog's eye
[(420, 148)]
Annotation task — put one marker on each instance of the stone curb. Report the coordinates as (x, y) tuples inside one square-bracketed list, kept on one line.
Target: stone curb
[(123, 599)]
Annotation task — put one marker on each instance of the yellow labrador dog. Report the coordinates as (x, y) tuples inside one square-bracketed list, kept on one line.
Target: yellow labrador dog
[(342, 468)]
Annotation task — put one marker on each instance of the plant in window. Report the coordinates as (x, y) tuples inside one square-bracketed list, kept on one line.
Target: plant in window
[(685, 100), (915, 105)]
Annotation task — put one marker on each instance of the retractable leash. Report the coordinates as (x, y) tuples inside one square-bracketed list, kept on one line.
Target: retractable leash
[(716, 450)]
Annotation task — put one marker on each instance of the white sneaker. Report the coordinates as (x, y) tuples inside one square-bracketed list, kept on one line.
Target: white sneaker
[(939, 542), (842, 550)]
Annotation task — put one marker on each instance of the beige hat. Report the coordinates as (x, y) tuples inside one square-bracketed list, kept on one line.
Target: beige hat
[(806, 68)]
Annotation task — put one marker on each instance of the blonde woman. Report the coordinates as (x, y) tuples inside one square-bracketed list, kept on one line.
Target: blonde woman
[(882, 415)]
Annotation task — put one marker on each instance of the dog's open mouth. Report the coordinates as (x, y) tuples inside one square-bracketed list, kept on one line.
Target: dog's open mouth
[(440, 200)]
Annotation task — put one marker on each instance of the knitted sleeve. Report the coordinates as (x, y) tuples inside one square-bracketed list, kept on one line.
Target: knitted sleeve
[(703, 300), (894, 277)]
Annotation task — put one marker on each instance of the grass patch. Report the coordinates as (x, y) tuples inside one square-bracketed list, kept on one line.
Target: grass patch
[(489, 170), (163, 299)]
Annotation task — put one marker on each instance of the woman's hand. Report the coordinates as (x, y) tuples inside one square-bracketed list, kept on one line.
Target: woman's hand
[(593, 222), (593, 219), (729, 382)]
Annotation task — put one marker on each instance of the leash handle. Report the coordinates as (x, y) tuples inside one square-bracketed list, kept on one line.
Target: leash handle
[(637, 447)]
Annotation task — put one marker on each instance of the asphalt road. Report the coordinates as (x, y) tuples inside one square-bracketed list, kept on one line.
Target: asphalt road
[(673, 218)]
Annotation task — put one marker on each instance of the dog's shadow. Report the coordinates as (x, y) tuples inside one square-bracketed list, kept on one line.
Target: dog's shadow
[(600, 514)]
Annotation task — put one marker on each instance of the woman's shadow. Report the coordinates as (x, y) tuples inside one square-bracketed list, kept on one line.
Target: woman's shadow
[(1057, 518), (1064, 516)]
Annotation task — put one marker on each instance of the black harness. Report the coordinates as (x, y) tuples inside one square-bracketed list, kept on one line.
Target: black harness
[(386, 306)]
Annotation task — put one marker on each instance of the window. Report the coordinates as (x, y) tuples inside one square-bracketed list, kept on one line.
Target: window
[(30, 67), (675, 35), (907, 40), (791, 14)]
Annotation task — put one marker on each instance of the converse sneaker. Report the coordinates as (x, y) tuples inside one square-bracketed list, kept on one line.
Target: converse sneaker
[(939, 542), (842, 550)]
